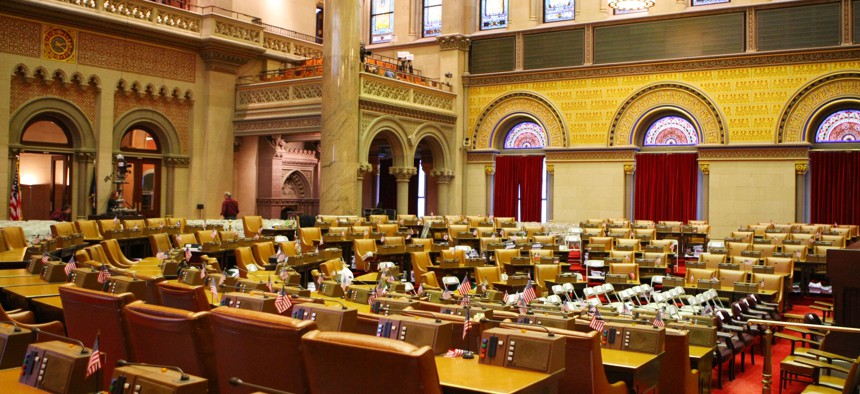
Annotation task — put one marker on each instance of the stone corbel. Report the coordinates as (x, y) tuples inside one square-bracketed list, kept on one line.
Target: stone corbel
[(550, 168), (629, 169), (705, 168), (364, 169), (443, 175), (801, 167), (177, 162), (403, 174), (489, 170), (454, 41), (85, 157)]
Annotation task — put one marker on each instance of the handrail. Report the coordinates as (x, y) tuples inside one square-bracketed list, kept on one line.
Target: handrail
[(767, 368)]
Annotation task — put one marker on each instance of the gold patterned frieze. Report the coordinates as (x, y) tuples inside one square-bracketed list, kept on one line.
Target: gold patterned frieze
[(490, 169), (753, 152), (796, 116), (515, 103), (629, 169), (481, 156), (591, 154), (454, 42)]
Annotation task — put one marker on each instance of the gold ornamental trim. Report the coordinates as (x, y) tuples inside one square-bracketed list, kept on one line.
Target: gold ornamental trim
[(764, 152), (616, 155)]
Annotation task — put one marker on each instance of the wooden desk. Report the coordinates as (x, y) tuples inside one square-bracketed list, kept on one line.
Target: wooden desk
[(290, 233), (9, 383), (20, 296), (14, 272), (702, 359), (457, 375), (21, 281), (639, 370), (47, 309)]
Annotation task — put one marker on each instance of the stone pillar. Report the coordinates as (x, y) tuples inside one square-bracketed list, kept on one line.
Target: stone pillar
[(402, 175), (362, 171), (170, 165), (550, 198), (453, 56), (490, 170), (340, 126), (629, 187), (706, 190), (800, 169), (83, 167), (443, 179)]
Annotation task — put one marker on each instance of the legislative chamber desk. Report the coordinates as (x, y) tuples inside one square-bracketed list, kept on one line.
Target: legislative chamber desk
[(639, 370), (702, 359), (9, 383), (458, 375)]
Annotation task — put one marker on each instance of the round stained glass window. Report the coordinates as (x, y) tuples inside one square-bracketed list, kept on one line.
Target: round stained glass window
[(526, 135), (671, 130), (841, 126)]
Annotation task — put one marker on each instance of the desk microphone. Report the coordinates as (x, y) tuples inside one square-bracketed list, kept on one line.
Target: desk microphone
[(182, 377), (548, 332), (38, 331), (234, 381), (14, 323), (342, 305)]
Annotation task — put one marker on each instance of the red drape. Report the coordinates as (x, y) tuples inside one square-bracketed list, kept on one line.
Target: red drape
[(505, 187), (835, 182), (666, 186), (531, 183)]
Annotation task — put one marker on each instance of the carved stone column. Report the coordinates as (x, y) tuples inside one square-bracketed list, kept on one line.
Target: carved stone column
[(363, 170), (550, 198), (170, 165), (490, 170), (706, 190), (443, 179), (402, 176), (800, 170), (629, 171), (84, 167)]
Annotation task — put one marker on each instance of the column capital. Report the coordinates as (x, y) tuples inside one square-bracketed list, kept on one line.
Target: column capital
[(85, 157), (363, 169), (403, 173), (179, 162), (629, 169), (705, 168), (801, 167), (550, 168), (454, 41), (489, 169), (443, 175)]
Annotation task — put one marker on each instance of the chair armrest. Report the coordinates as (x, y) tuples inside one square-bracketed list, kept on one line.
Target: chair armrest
[(795, 339), (801, 331), (54, 327), (24, 317), (829, 356), (733, 328), (821, 308), (771, 304), (763, 307), (822, 303), (618, 387), (819, 364), (725, 335)]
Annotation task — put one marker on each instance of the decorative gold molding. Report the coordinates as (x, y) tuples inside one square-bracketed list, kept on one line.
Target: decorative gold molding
[(443, 175), (796, 115), (629, 169), (452, 42), (705, 168), (490, 170), (767, 152), (277, 124), (178, 162), (364, 169), (801, 167), (550, 168), (402, 174), (518, 103), (563, 156), (396, 110), (481, 157)]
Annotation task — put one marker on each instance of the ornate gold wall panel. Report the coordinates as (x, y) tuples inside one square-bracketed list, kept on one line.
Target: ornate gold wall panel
[(793, 122), (518, 103)]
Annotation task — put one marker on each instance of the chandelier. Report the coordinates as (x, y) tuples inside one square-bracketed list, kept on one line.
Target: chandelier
[(631, 5)]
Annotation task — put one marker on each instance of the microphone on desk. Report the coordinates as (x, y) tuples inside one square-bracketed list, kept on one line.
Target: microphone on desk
[(182, 377), (38, 331), (14, 323), (234, 381), (342, 305), (548, 332)]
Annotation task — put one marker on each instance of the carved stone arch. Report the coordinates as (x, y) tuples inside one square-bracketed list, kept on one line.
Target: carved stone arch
[(803, 107), (296, 185), (60, 76), (41, 73), (78, 79), (667, 96), (394, 131), (154, 122), (94, 81), (21, 70), (437, 143), (530, 104), (79, 127)]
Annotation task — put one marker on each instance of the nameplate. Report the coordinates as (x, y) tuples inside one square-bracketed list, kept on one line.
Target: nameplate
[(762, 269), (707, 284), (673, 281)]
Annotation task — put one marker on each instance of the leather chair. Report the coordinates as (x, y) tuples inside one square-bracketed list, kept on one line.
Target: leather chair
[(169, 336), (772, 282), (262, 251), (387, 229), (207, 236), (503, 256), (394, 240), (360, 247), (134, 223), (694, 274), (155, 222), (159, 243), (489, 274), (427, 243), (420, 262), (628, 242), (88, 313), (626, 269), (645, 233), (114, 254), (736, 248), (224, 236), (309, 236), (797, 252), (90, 230), (377, 219), (245, 261), (623, 254), (252, 225), (252, 345), (744, 262), (177, 221), (454, 254), (745, 236), (711, 260), (545, 272), (62, 229), (536, 254), (106, 225), (607, 242), (289, 248), (98, 255), (675, 374), (402, 217), (14, 237), (364, 230), (776, 238), (415, 367), (499, 220), (184, 239), (429, 280), (765, 251), (182, 296), (455, 229), (331, 268), (728, 278)]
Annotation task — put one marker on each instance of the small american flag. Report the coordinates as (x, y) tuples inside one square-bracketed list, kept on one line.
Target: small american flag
[(382, 239), (214, 289), (420, 290), (522, 304), (707, 310), (280, 255), (104, 274), (44, 257), (446, 295), (188, 254), (116, 220), (284, 274), (466, 301), (467, 323), (445, 237), (283, 302), (454, 353), (178, 240), (529, 293), (658, 321), (269, 284), (161, 255), (203, 271), (257, 236), (484, 286), (71, 266), (631, 275), (465, 286), (95, 362), (596, 323), (214, 234)]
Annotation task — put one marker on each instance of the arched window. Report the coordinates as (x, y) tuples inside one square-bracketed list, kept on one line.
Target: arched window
[(46, 132), (139, 140), (432, 18), (671, 130), (526, 135), (381, 21), (494, 14), (840, 126)]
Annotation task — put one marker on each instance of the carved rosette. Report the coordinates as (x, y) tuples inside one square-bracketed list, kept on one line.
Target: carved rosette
[(443, 175), (402, 174), (489, 170), (800, 168), (705, 168), (178, 162), (629, 169), (452, 42), (85, 157), (364, 169)]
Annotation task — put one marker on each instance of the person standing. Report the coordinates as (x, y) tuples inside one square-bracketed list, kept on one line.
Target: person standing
[(230, 207)]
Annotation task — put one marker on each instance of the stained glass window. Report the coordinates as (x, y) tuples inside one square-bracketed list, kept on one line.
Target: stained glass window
[(494, 14), (841, 126), (671, 130), (432, 18), (558, 10), (526, 135), (381, 21)]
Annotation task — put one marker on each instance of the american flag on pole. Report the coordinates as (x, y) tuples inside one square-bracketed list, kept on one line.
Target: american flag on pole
[(269, 284), (214, 289), (44, 257), (214, 235), (15, 197), (161, 255), (658, 321), (420, 290), (104, 274), (280, 255), (71, 266), (465, 286), (596, 322), (467, 324), (529, 293), (188, 254), (202, 270), (178, 240), (283, 302), (522, 304), (95, 362)]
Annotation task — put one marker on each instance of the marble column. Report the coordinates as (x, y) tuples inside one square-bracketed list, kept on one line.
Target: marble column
[(443, 179), (800, 169), (363, 170), (339, 187), (402, 176)]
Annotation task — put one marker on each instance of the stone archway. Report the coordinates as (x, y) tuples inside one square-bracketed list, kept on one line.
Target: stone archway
[(295, 186), (525, 103), (795, 119)]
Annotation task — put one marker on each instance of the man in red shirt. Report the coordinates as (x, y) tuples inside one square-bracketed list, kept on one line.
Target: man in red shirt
[(230, 207)]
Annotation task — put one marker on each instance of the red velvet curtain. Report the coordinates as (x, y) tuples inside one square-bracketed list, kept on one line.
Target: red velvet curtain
[(505, 186), (666, 185), (531, 184), (835, 182)]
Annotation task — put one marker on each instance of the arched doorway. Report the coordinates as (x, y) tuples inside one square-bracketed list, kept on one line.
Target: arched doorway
[(380, 189), (520, 182), (45, 167), (142, 151)]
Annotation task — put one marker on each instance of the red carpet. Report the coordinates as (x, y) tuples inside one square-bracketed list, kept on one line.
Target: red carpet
[(751, 380)]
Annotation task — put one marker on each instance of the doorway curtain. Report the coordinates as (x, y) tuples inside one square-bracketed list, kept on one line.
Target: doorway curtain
[(518, 184), (666, 186)]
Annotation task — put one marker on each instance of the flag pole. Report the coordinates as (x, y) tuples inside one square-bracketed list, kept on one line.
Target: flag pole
[(468, 355)]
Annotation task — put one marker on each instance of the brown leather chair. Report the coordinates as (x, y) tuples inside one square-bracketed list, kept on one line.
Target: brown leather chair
[(14, 237), (454, 254), (224, 236), (168, 336), (309, 235), (27, 319), (207, 236), (114, 254), (676, 377), (388, 229), (250, 345), (262, 251), (88, 313), (489, 274), (184, 239), (289, 248), (63, 229), (107, 225), (420, 262), (503, 256), (429, 280), (245, 261), (330, 359), (177, 221), (159, 243), (331, 268), (182, 296), (155, 222), (252, 225), (427, 243), (89, 229), (545, 272), (360, 247)]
